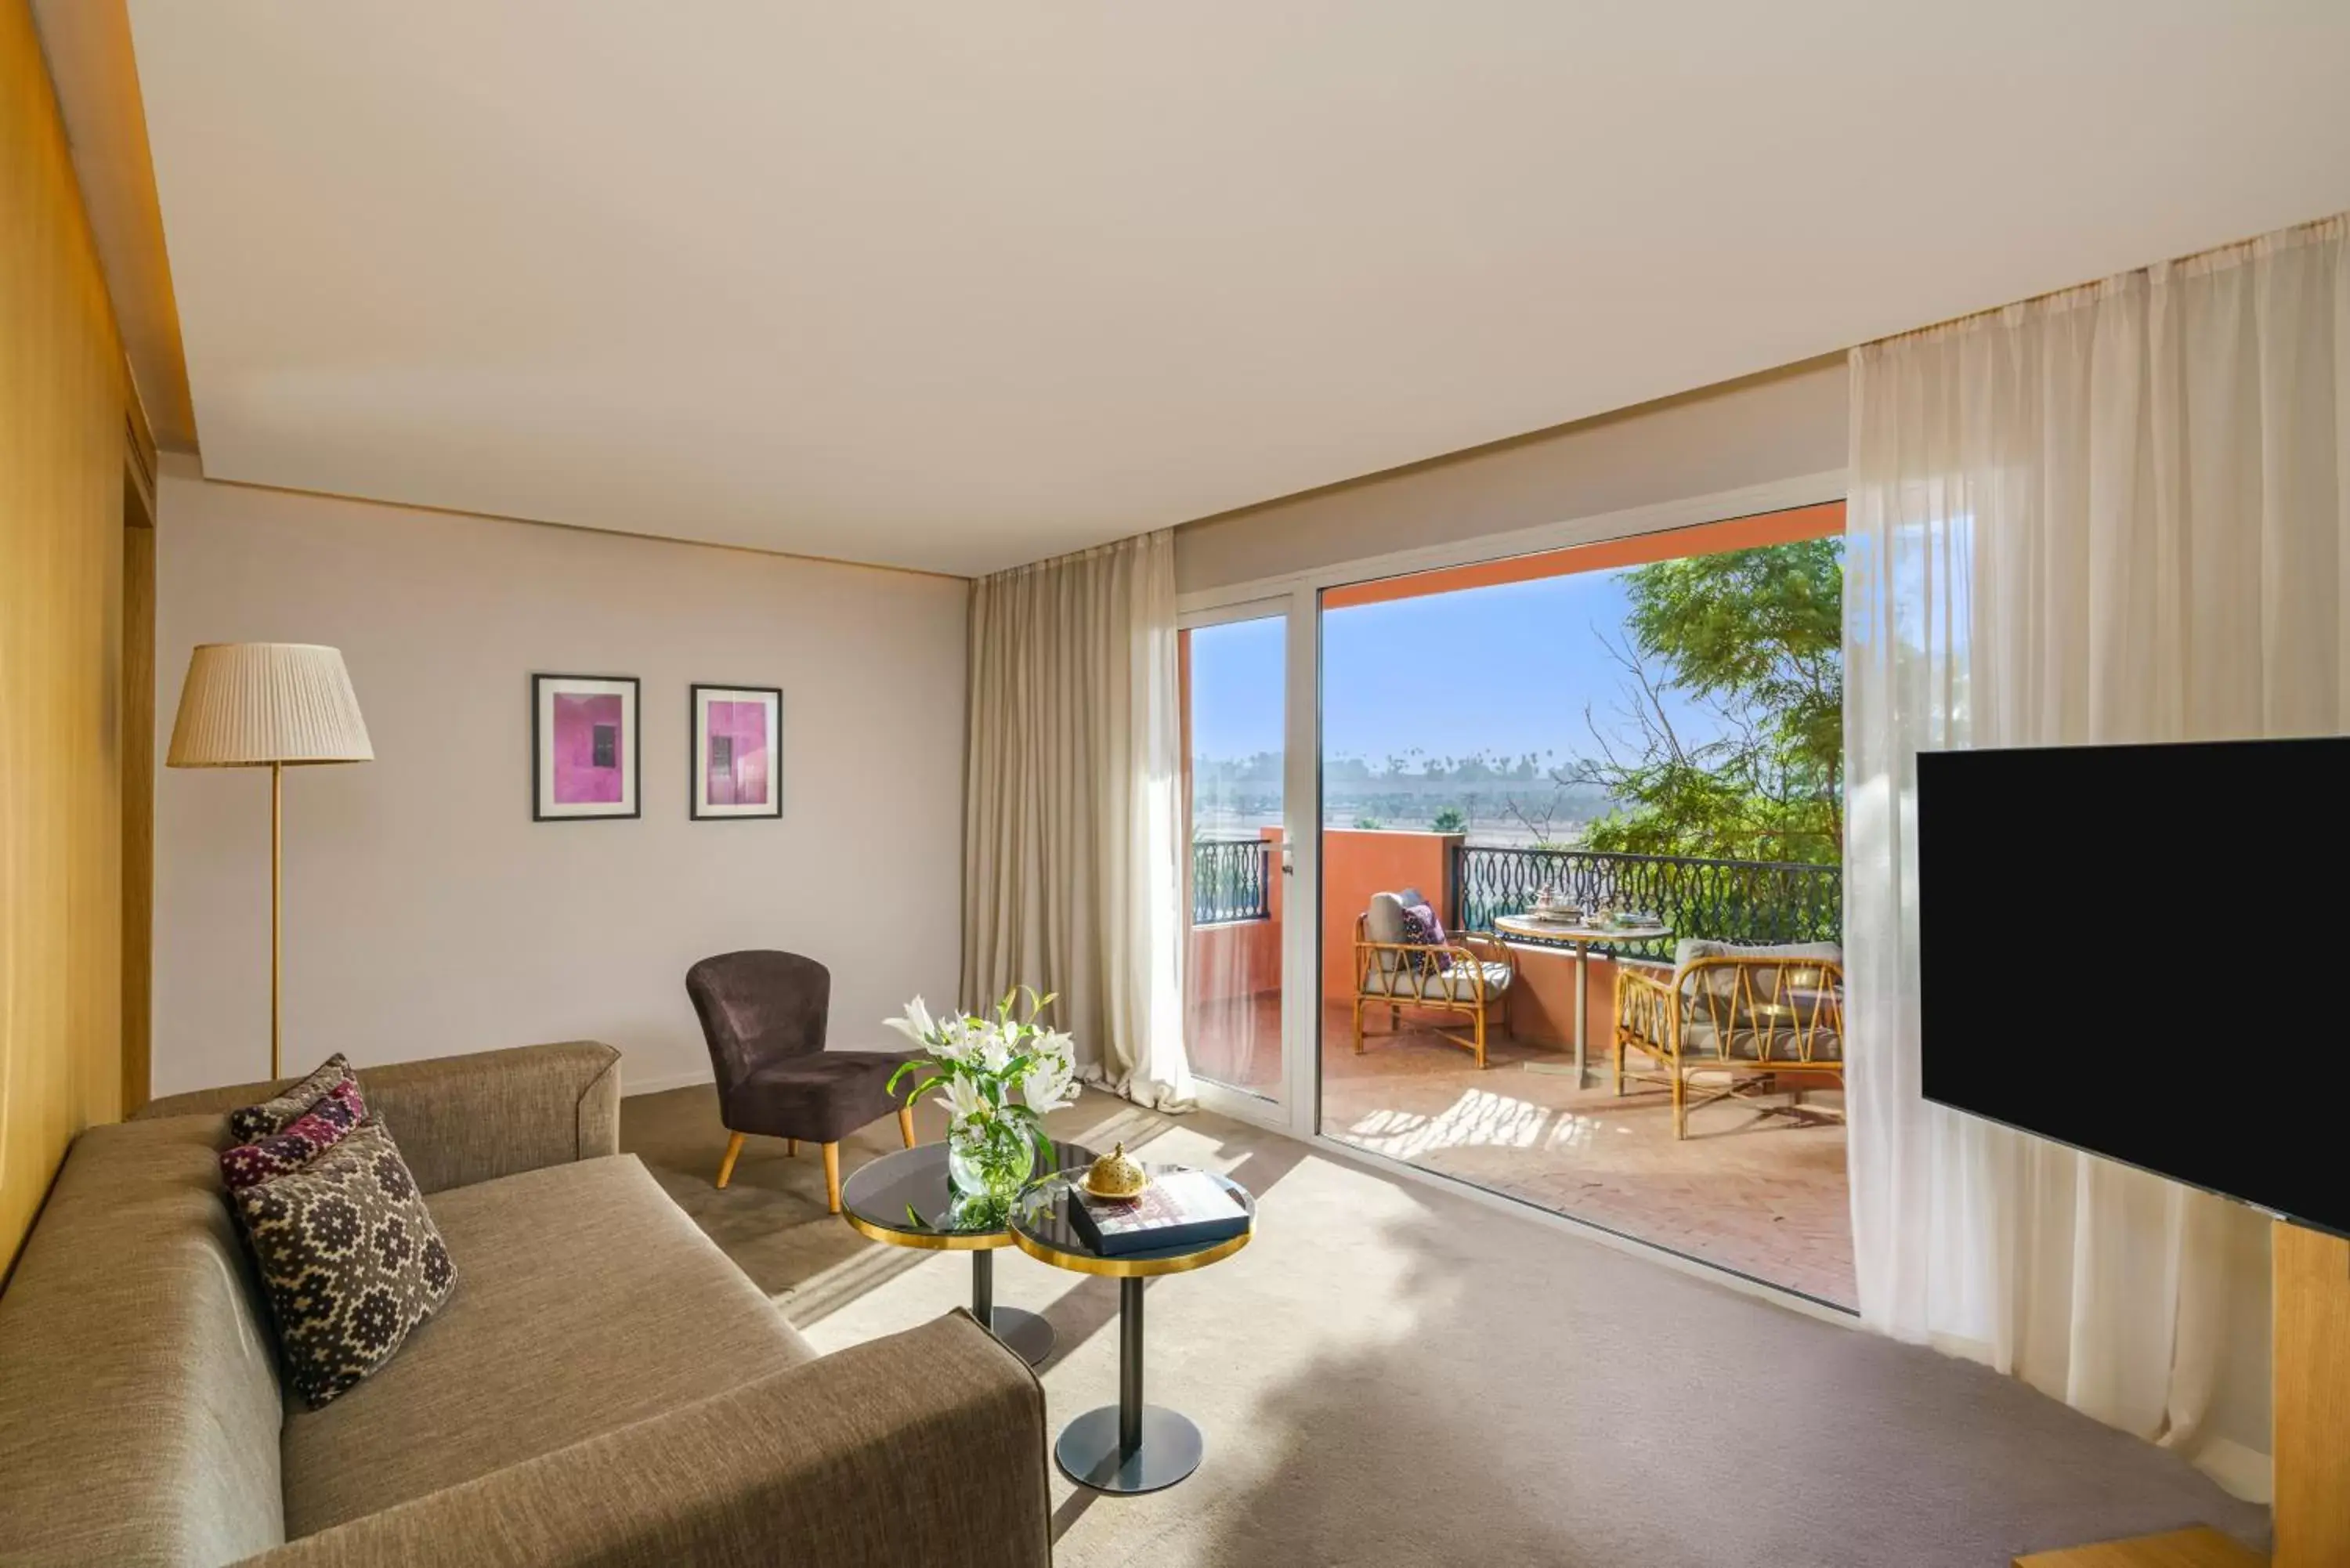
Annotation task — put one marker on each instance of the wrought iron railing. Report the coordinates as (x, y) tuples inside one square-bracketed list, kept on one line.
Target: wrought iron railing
[(1726, 900), (1232, 879)]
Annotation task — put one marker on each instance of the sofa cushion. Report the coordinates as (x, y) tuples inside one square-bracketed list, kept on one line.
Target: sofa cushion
[(589, 1301), (351, 1258), (310, 1135), (282, 1109), (139, 1411)]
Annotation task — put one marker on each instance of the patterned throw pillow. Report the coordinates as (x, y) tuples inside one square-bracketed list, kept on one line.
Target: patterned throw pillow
[(317, 1131), (351, 1258), (274, 1116), (1422, 928)]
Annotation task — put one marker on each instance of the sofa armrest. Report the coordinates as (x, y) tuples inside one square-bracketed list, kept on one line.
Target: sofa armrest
[(463, 1119), (921, 1449)]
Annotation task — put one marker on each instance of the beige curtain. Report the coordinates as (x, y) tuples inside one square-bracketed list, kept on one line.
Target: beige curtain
[(1073, 807), (2118, 513)]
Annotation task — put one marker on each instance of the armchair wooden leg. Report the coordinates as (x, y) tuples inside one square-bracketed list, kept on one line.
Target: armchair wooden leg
[(1481, 1039), (1681, 1102), (1358, 1026), (832, 1177), (792, 1147), (1395, 1020), (726, 1165), (1619, 1066), (906, 1125)]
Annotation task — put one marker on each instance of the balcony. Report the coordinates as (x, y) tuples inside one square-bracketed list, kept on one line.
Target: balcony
[(1761, 1192)]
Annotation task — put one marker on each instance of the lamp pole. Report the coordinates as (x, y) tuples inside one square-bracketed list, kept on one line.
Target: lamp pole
[(276, 903)]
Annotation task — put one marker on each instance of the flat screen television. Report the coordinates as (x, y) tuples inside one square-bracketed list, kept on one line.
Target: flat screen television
[(2142, 952)]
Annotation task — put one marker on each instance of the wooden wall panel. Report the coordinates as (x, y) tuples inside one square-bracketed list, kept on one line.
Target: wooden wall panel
[(2313, 1399), (138, 796), (63, 399)]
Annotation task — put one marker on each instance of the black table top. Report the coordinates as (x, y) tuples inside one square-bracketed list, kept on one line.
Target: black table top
[(1041, 1227), (905, 1199)]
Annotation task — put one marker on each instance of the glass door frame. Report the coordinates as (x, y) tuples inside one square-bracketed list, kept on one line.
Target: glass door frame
[(1299, 1109), (1297, 593)]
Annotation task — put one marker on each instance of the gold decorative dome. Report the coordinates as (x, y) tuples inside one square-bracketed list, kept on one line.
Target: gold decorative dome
[(1117, 1174)]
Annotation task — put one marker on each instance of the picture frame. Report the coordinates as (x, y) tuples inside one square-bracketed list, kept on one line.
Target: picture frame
[(586, 748), (735, 744)]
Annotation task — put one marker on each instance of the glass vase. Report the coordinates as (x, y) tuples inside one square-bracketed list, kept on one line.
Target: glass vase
[(990, 1156)]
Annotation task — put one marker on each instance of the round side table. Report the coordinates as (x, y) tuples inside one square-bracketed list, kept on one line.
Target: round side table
[(905, 1199), (1129, 1447)]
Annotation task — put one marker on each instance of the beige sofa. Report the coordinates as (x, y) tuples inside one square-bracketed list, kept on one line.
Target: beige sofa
[(605, 1386)]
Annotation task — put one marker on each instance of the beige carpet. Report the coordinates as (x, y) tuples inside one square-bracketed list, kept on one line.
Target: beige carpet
[(1392, 1374)]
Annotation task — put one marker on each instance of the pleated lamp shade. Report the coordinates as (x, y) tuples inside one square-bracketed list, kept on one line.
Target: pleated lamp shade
[(248, 704)]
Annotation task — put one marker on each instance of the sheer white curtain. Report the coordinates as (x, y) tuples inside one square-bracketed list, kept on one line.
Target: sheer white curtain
[(1073, 827), (2117, 514)]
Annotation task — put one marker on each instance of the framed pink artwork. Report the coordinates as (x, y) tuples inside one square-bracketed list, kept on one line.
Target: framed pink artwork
[(737, 760), (584, 747)]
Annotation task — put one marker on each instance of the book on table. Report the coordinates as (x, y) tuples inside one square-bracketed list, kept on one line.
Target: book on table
[(1178, 1208)]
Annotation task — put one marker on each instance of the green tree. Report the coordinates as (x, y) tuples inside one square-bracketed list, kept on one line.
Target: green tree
[(1449, 820), (1756, 636)]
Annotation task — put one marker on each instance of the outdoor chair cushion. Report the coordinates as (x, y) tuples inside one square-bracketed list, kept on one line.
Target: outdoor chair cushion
[(1458, 983), (1691, 949), (1701, 1040), (1383, 921), (1715, 1024), (589, 1301)]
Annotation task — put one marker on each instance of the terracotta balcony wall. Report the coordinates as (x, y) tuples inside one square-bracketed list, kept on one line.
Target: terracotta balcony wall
[(1359, 862)]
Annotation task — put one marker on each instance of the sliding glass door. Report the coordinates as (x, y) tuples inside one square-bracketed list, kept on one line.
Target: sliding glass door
[(1243, 800)]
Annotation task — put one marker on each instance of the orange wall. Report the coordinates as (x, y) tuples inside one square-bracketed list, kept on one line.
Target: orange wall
[(1359, 862), (1732, 534), (1239, 958)]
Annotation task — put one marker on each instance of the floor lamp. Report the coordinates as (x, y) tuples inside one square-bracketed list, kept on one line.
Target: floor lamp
[(270, 705)]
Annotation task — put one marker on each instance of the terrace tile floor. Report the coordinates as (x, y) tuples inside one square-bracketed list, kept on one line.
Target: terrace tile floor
[(1757, 1194)]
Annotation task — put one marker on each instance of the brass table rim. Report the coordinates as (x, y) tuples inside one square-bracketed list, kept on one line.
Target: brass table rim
[(1130, 1268), (931, 1241), (924, 1241)]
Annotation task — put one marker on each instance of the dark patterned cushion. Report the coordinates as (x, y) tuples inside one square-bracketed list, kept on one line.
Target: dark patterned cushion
[(317, 1130), (351, 1258), (1422, 928), (274, 1116)]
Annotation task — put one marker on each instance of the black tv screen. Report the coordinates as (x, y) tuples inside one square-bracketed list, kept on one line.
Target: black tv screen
[(2139, 952)]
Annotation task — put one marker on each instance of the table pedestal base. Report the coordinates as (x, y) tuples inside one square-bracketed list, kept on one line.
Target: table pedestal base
[(1091, 1454), (1030, 1336), (1129, 1447)]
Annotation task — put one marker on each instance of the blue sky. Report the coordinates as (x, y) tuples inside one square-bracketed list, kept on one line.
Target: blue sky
[(1508, 668)]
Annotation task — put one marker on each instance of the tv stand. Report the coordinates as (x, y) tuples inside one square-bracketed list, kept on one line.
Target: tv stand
[(2310, 1427), (2197, 1548)]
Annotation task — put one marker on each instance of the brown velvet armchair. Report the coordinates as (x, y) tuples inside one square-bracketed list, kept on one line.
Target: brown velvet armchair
[(763, 1016)]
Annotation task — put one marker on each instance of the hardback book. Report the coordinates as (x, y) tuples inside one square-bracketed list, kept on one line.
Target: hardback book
[(1178, 1208)]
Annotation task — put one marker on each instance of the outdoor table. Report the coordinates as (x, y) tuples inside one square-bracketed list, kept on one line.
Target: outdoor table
[(1532, 932)]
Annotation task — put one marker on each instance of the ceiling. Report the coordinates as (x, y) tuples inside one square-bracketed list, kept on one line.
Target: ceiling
[(956, 286)]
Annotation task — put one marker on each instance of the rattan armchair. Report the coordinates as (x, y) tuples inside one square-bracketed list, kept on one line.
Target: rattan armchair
[(1465, 976), (1752, 1012)]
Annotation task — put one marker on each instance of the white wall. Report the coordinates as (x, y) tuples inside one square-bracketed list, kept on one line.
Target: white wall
[(426, 913), (1788, 424)]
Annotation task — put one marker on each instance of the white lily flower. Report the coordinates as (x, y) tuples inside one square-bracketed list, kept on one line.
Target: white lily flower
[(1059, 1047), (916, 1025), (962, 1099), (954, 1041), (1047, 1087)]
